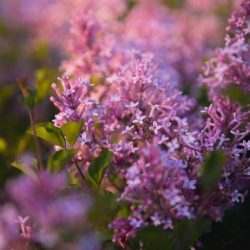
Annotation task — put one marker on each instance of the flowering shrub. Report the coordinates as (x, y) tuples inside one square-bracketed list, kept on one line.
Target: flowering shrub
[(150, 144)]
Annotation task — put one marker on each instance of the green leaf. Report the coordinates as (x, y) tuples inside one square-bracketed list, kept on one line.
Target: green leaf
[(71, 131), (29, 94), (99, 165), (212, 169), (91, 182), (59, 160), (187, 232), (202, 97), (237, 94), (103, 210), (25, 169), (50, 133), (30, 101), (43, 79), (153, 238)]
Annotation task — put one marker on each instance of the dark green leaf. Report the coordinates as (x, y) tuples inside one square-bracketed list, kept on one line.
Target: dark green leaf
[(153, 238), (50, 133), (99, 165), (212, 169), (30, 100), (187, 232), (71, 131), (202, 97), (59, 160), (29, 94), (104, 210), (237, 94)]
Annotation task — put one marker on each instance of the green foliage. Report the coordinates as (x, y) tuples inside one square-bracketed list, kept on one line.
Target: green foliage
[(104, 210), (29, 94), (25, 169), (236, 94), (71, 131), (43, 79), (3, 145), (174, 4), (212, 169), (59, 160), (153, 238), (232, 232), (99, 165), (187, 232), (202, 97), (50, 133), (30, 101), (5, 94)]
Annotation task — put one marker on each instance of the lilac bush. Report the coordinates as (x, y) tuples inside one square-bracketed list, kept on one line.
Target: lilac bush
[(133, 146), (149, 120)]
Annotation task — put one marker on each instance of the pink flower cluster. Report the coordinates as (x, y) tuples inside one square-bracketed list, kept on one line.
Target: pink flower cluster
[(148, 124), (230, 66), (49, 20), (97, 49), (126, 77), (47, 213)]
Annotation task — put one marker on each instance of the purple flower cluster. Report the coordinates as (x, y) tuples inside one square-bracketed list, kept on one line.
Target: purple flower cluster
[(49, 21), (97, 48), (148, 126), (230, 66), (41, 212), (123, 80)]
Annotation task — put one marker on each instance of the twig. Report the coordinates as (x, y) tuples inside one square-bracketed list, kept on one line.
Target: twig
[(36, 140), (25, 91), (83, 178)]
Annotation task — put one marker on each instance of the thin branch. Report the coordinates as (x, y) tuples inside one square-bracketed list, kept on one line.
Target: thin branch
[(83, 178), (22, 82), (36, 140)]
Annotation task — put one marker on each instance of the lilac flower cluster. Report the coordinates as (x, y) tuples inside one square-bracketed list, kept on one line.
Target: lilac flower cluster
[(123, 79), (179, 57), (96, 50), (137, 109), (48, 20), (148, 126), (230, 65), (40, 212)]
